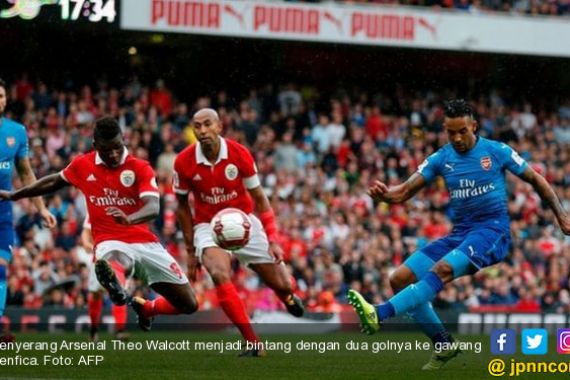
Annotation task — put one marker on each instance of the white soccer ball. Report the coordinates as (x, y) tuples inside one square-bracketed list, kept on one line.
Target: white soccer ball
[(231, 229)]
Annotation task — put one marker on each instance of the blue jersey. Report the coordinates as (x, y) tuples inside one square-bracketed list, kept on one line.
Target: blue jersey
[(475, 179), (13, 144)]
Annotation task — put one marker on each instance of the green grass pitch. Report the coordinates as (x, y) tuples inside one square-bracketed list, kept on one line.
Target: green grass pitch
[(190, 363)]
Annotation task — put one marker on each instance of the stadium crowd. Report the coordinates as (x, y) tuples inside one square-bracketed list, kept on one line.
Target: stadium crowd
[(513, 7), (316, 153)]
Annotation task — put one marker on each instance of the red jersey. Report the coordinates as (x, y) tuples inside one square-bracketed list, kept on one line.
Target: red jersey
[(121, 187), (216, 186)]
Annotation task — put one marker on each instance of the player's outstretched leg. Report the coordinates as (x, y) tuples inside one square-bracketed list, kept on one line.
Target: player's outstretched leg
[(173, 299), (366, 312), (218, 264), (417, 266), (276, 277), (408, 299), (107, 278)]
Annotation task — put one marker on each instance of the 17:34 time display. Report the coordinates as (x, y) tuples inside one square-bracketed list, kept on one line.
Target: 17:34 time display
[(92, 10)]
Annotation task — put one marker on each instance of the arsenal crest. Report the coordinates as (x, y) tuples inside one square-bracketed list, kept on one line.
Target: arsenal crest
[(11, 141), (486, 162), (127, 178)]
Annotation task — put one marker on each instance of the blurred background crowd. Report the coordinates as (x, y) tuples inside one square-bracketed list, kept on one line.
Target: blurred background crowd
[(317, 152), (513, 7)]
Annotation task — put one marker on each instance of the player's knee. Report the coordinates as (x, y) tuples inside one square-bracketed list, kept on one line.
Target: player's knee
[(220, 276), (444, 271), (190, 307), (191, 304), (398, 281)]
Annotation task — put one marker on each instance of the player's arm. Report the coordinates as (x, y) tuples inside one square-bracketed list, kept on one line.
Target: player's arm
[(186, 223), (548, 195), (45, 185), (28, 177), (184, 218), (380, 192), (182, 188), (149, 211)]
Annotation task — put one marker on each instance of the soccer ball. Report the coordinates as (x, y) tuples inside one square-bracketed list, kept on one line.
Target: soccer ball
[(231, 229)]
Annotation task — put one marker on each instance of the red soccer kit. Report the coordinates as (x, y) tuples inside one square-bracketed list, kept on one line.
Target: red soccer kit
[(121, 187), (219, 186)]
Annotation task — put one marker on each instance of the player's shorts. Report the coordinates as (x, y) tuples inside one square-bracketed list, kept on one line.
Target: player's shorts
[(152, 263), (6, 240), (484, 244), (255, 252)]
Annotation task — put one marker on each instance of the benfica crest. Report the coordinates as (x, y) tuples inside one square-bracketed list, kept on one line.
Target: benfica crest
[(486, 162), (127, 178), (11, 141), (231, 172)]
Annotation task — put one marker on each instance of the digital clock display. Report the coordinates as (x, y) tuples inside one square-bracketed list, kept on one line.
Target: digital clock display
[(93, 10), (70, 10)]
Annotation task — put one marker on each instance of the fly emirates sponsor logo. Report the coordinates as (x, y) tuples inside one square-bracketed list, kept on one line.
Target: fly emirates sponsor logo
[(111, 198), (468, 189), (218, 196)]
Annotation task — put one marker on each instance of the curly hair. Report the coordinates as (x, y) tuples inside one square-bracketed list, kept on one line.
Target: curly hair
[(106, 128), (458, 108)]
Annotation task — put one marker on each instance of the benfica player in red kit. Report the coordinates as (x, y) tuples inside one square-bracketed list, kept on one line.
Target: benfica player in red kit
[(222, 173), (121, 195)]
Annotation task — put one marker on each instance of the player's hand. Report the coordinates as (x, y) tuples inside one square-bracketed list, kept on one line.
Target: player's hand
[(5, 195), (378, 191), (49, 220), (193, 267), (118, 214), (277, 252)]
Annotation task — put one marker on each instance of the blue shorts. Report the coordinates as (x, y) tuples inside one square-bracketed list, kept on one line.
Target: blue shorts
[(6, 240), (484, 244)]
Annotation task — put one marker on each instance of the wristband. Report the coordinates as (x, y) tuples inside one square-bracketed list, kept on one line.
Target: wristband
[(269, 224)]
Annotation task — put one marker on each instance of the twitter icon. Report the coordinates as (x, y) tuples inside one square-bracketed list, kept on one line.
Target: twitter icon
[(534, 341)]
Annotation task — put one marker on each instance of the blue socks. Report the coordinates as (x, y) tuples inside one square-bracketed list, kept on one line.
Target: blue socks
[(427, 320), (385, 310), (441, 337), (411, 297), (3, 289)]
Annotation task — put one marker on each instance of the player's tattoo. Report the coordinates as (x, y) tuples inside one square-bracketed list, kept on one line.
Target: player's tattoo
[(544, 190), (415, 183)]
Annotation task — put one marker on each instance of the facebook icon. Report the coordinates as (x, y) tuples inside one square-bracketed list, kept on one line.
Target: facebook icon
[(503, 342)]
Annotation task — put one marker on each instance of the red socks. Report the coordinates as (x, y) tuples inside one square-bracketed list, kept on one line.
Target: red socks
[(159, 306), (95, 307), (120, 315), (234, 309)]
